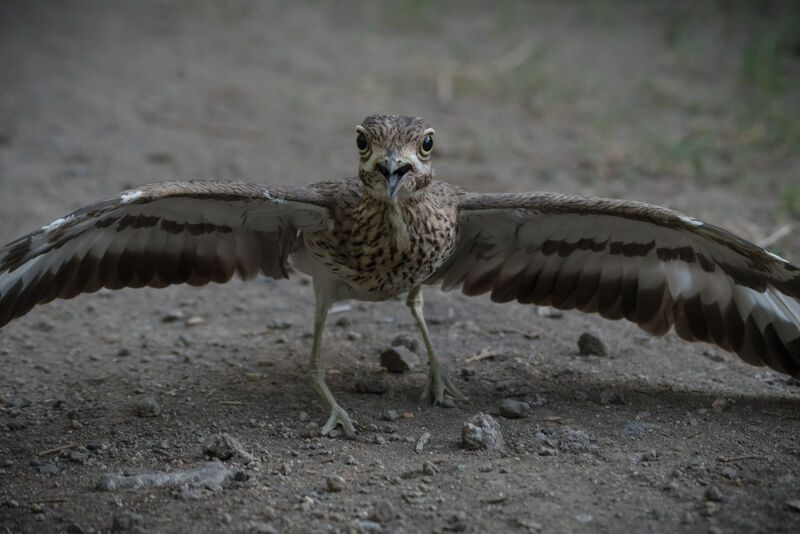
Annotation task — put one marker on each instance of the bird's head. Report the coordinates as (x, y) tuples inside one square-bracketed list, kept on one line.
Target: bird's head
[(395, 156)]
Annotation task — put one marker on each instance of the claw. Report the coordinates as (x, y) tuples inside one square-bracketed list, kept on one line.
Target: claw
[(338, 417), (439, 385)]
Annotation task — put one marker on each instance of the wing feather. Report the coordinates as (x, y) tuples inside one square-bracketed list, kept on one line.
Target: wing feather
[(157, 235), (653, 266)]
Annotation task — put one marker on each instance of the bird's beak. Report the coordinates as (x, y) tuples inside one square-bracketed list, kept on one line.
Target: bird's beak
[(393, 169)]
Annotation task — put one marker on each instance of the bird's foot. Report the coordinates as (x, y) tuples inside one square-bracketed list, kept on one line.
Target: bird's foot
[(439, 385), (339, 417)]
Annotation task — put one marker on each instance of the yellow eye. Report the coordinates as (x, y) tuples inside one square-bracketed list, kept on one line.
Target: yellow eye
[(426, 146), (362, 143)]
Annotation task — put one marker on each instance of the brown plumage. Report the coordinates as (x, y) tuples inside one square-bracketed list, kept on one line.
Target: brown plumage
[(394, 228)]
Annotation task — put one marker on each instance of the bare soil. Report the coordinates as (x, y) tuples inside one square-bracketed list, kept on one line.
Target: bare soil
[(693, 107)]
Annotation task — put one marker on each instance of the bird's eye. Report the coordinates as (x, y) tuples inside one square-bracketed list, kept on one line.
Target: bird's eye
[(362, 143), (426, 146)]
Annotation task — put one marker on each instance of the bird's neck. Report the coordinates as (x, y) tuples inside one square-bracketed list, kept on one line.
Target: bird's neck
[(387, 216)]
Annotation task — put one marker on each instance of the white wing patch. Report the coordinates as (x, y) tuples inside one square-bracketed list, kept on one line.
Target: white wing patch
[(270, 197), (130, 197), (691, 220), (56, 224)]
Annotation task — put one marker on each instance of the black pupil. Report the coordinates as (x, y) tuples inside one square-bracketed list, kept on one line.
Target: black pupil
[(361, 141), (427, 143)]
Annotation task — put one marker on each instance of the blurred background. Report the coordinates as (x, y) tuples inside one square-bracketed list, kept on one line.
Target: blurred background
[(694, 105)]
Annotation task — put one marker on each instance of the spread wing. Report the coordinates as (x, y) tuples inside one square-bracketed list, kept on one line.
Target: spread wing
[(157, 235), (650, 265)]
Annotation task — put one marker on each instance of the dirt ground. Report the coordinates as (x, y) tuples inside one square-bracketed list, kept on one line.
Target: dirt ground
[(693, 107)]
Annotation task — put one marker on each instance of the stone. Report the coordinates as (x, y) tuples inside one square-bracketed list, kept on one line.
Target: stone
[(481, 432)]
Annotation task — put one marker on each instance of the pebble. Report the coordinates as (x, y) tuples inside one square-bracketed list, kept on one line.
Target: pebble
[(78, 456), (550, 313), (335, 483), (428, 468), (408, 342), (286, 469), (481, 432), (343, 322), (310, 430), (633, 428), (372, 384), (173, 315), (713, 493), (591, 345), (729, 472), (421, 442), (390, 415), (399, 359), (365, 526), (146, 407), (514, 409), (279, 325), (719, 405), (383, 512), (611, 396), (48, 469), (224, 446), (380, 440), (127, 522)]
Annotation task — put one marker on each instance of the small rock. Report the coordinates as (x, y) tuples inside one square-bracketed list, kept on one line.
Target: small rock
[(408, 342), (173, 315), (194, 321), (372, 384), (48, 469), (74, 528), (794, 505), (224, 446), (124, 351), (146, 407), (713, 493), (428, 468), (390, 415), (286, 469), (75, 424), (78, 456), (421, 442), (611, 396), (719, 405), (548, 312), (279, 325), (399, 359), (729, 472), (384, 512), (127, 522), (335, 483), (364, 526), (633, 428), (380, 440), (481, 432), (514, 409), (591, 345), (310, 430), (344, 322)]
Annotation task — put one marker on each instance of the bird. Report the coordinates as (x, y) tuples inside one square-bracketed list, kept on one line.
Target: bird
[(394, 228)]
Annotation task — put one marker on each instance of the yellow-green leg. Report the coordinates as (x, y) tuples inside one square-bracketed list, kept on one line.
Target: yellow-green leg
[(438, 383), (316, 376)]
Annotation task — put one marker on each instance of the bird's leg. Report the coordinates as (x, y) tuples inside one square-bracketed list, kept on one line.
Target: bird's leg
[(316, 376), (438, 383)]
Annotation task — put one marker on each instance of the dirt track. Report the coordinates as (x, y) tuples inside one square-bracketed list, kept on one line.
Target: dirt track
[(692, 108)]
